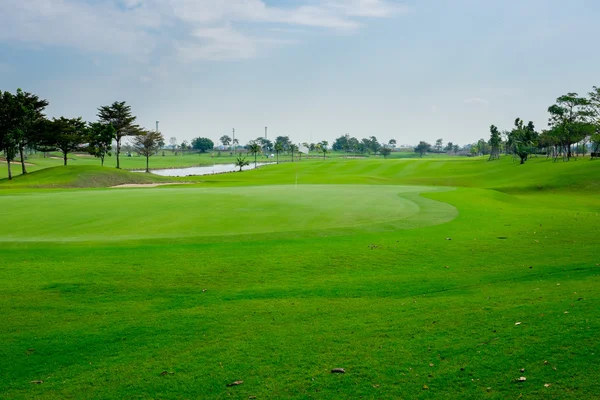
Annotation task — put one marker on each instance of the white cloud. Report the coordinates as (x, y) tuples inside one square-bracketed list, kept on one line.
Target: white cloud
[(194, 29)]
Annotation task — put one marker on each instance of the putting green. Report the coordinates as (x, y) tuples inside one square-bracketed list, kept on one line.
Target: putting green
[(118, 214)]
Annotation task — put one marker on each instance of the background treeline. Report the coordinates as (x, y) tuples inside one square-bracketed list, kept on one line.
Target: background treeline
[(24, 126)]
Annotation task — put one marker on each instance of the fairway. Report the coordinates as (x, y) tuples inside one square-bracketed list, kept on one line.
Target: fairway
[(185, 212), (429, 279)]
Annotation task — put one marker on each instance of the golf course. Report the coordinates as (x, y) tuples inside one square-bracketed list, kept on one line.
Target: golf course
[(433, 278)]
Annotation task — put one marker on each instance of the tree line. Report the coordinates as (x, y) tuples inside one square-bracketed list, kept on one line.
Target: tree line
[(24, 125), (573, 129)]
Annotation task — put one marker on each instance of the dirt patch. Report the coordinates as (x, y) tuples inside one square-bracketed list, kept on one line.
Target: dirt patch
[(55, 158), (148, 185), (15, 162)]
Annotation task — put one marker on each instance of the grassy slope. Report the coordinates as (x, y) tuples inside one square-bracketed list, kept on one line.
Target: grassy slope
[(104, 318), (78, 177)]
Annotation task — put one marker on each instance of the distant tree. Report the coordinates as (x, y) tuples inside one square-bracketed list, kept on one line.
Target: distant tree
[(120, 117), (29, 114), (184, 146), (202, 144), (422, 148), (293, 148), (284, 142), (64, 134), (386, 151), (278, 149), (323, 147), (495, 141), (568, 115), (8, 137), (225, 140), (254, 148), (374, 145), (455, 148), (353, 144), (438, 145), (173, 144), (241, 162), (593, 115), (392, 143), (100, 137), (449, 147), (147, 144)]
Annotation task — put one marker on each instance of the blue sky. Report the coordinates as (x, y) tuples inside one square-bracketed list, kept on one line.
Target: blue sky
[(409, 70)]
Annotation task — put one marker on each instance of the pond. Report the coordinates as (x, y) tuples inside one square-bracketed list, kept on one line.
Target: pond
[(204, 170)]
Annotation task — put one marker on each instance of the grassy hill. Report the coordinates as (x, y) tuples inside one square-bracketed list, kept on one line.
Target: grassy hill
[(475, 275), (78, 177)]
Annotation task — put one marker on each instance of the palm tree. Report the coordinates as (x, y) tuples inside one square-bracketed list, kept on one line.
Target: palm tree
[(278, 148), (241, 162), (254, 148)]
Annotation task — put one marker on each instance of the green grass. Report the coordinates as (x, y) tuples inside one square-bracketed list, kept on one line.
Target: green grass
[(80, 177), (103, 289)]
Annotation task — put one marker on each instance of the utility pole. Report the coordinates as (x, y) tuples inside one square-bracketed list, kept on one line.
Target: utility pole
[(157, 126), (265, 132)]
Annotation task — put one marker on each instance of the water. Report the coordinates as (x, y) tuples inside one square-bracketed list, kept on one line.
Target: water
[(206, 170)]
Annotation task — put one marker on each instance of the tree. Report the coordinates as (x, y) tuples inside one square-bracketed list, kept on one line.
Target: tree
[(147, 144), (455, 148), (374, 145), (278, 149), (522, 139), (8, 139), (386, 151), (119, 115), (241, 162), (495, 141), (392, 143), (100, 138), (438, 145), (449, 147), (28, 113), (184, 146), (567, 115), (422, 148), (593, 116), (284, 141), (323, 147), (202, 144), (173, 144), (225, 140), (293, 148), (254, 148), (64, 134), (341, 143)]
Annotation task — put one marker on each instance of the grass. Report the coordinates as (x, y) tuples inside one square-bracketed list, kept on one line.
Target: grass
[(247, 277)]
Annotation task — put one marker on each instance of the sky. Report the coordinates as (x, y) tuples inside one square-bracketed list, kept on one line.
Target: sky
[(310, 69)]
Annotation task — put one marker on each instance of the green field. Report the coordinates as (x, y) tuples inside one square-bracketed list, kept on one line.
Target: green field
[(433, 278)]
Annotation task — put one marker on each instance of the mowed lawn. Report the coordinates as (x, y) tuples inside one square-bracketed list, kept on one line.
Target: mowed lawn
[(381, 267)]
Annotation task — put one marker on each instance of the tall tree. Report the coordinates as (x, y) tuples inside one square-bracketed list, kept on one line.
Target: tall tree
[(100, 138), (147, 144), (29, 114), (184, 146), (120, 117), (8, 138), (254, 148), (422, 148), (386, 151), (495, 141), (392, 143), (64, 134), (523, 139), (593, 115), (278, 149), (173, 144), (439, 144)]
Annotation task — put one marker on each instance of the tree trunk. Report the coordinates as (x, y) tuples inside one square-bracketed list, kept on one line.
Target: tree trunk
[(9, 171), (65, 157), (102, 161), (24, 170), (255, 154), (118, 151), (147, 160), (277, 157)]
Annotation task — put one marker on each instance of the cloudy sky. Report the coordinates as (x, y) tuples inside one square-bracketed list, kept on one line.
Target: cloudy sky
[(410, 70)]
